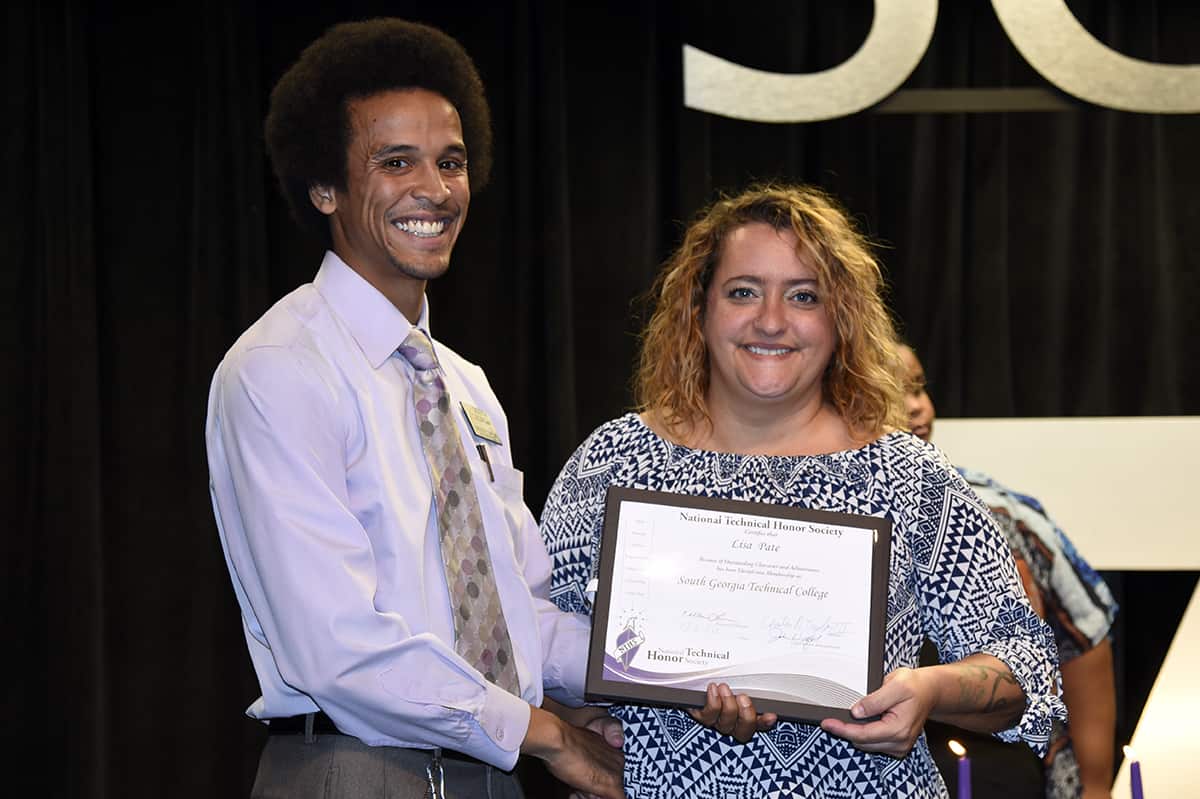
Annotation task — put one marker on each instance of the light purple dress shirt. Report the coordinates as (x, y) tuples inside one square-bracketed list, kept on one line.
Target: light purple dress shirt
[(325, 511)]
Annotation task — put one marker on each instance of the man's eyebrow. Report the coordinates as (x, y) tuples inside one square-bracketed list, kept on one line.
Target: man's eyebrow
[(394, 149), (409, 149)]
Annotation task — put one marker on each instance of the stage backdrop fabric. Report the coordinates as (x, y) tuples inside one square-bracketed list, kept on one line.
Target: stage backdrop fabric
[(1043, 263)]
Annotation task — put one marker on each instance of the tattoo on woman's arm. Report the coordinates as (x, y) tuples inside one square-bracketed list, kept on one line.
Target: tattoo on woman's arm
[(988, 689)]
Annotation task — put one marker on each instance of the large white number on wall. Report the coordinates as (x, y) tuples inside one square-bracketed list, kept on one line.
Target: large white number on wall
[(1058, 47), (900, 33), (1045, 32)]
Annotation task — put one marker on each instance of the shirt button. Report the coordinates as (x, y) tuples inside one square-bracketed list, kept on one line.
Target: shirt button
[(500, 735)]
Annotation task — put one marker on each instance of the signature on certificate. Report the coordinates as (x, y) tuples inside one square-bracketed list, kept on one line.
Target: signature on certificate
[(804, 631), (696, 621)]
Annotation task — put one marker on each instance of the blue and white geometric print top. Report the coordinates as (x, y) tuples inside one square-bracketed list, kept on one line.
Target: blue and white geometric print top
[(952, 580)]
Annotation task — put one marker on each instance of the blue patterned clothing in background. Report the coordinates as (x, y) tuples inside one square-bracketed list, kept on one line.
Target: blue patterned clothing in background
[(952, 580), (1073, 598)]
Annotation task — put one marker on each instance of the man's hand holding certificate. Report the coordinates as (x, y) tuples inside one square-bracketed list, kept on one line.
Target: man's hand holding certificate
[(783, 604)]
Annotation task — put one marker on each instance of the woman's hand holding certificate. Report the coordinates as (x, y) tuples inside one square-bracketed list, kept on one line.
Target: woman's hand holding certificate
[(732, 714)]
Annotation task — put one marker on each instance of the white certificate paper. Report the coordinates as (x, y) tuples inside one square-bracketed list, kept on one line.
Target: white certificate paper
[(785, 604)]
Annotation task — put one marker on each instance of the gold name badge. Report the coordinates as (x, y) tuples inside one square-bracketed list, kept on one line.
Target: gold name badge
[(481, 423)]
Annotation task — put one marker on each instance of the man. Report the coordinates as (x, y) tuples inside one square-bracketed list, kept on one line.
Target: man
[(392, 582), (1079, 608)]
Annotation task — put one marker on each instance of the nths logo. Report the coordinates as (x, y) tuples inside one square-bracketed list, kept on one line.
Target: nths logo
[(629, 641)]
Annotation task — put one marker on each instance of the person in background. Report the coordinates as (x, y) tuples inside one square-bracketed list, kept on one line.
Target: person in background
[(392, 583), (1079, 608), (769, 373)]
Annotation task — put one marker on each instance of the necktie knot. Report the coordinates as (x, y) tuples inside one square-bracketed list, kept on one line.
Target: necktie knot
[(418, 350)]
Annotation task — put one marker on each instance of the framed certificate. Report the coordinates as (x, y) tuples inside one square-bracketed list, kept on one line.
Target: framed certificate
[(784, 604)]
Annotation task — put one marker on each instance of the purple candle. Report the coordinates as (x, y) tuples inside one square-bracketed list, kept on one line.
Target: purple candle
[(1135, 774), (964, 769)]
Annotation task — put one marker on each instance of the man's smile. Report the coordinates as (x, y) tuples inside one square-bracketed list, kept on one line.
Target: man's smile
[(421, 228)]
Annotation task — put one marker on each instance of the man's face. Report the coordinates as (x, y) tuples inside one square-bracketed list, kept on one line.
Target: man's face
[(406, 192)]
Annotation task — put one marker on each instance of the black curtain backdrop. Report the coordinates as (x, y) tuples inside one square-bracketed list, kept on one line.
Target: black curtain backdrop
[(1043, 263)]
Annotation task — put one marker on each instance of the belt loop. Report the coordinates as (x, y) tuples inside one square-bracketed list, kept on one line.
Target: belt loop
[(308, 728), (435, 774)]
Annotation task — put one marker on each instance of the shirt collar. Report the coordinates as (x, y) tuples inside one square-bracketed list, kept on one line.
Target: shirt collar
[(377, 326)]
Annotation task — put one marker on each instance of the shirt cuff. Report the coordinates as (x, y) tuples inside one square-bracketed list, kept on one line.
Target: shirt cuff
[(565, 672), (504, 719), (1039, 679), (573, 669)]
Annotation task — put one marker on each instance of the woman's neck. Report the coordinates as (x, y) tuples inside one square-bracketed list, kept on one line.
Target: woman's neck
[(806, 430)]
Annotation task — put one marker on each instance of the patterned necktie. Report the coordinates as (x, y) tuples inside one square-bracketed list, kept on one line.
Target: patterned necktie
[(480, 632)]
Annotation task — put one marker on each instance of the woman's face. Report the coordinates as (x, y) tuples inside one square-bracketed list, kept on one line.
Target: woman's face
[(916, 399), (766, 325)]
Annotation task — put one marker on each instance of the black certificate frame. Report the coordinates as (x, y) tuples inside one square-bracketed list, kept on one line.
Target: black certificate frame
[(598, 688)]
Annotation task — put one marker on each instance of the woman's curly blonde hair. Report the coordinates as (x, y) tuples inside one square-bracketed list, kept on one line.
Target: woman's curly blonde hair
[(862, 379)]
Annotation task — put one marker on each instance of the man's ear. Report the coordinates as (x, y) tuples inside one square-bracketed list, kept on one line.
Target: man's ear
[(323, 198)]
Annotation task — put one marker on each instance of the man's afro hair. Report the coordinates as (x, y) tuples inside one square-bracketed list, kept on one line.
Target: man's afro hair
[(308, 129)]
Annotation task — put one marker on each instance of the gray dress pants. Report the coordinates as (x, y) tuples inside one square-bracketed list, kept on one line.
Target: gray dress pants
[(343, 767)]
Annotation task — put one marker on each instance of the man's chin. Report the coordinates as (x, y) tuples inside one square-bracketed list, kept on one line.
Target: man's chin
[(422, 269)]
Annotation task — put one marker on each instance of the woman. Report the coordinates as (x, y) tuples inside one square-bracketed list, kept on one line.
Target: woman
[(1076, 603), (769, 373)]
